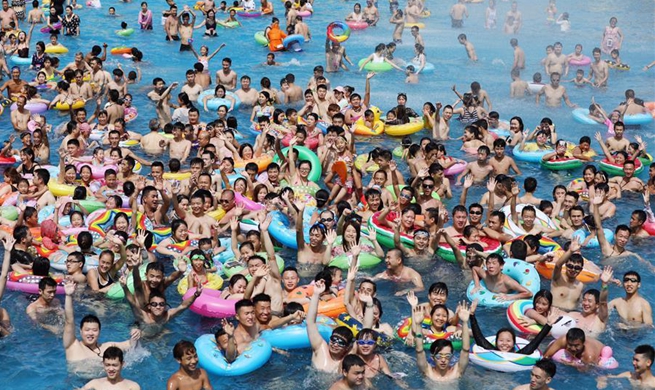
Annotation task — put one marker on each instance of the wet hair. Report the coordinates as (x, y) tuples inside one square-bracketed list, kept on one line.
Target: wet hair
[(575, 334), (291, 308), (350, 361), (549, 367), (438, 287), (647, 350), (182, 348), (90, 319), (519, 249), (543, 293), (47, 282), (439, 345)]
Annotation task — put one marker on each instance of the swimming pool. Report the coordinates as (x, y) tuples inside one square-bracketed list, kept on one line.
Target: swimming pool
[(33, 358)]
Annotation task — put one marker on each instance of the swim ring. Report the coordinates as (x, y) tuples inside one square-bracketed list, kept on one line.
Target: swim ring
[(415, 125), (293, 42), (305, 154), (582, 234), (584, 61), (617, 170), (257, 353), (385, 233), (404, 327), (59, 49), (446, 252), (29, 283), (562, 164), (606, 361), (210, 304), (513, 229), (333, 36), (356, 25), (519, 270), (365, 260), (293, 336), (504, 361), (214, 102), (378, 67), (530, 153)]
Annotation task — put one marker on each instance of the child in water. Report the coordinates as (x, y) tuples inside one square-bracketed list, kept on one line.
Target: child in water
[(563, 22)]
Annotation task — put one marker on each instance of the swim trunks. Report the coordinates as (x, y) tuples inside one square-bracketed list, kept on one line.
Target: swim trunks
[(457, 23), (184, 47), (173, 38)]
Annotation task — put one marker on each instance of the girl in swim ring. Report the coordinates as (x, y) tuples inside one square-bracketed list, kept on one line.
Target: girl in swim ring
[(505, 337), (219, 93), (542, 310), (198, 274), (264, 107), (236, 288), (356, 15)]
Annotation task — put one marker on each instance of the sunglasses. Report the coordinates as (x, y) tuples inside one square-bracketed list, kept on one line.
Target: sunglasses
[(72, 261), (323, 220), (201, 257), (631, 280), (366, 342), (157, 304), (224, 201), (475, 212), (576, 268), (405, 196), (338, 341), (428, 186)]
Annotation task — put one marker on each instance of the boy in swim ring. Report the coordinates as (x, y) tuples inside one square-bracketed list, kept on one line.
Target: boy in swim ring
[(579, 81), (189, 376), (541, 375), (504, 287), (112, 361), (641, 377), (582, 351)]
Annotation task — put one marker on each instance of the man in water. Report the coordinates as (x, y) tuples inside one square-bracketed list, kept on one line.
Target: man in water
[(540, 376), (642, 377), (326, 356), (557, 62), (457, 14), (578, 347), (633, 308), (246, 93), (87, 348), (565, 287), (599, 70), (398, 272), (46, 303), (593, 317), (112, 361), (554, 93), (226, 76), (519, 55)]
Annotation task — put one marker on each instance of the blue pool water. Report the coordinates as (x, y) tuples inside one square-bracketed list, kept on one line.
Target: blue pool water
[(32, 358)]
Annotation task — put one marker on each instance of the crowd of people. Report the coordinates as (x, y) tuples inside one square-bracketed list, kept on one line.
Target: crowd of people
[(79, 212)]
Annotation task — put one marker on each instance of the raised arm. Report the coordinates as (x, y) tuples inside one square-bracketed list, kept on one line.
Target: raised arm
[(605, 278), (69, 313), (605, 246), (315, 338), (8, 243)]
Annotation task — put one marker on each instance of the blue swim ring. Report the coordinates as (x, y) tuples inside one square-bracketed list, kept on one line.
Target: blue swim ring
[(214, 103), (294, 336), (279, 228), (212, 360), (530, 153), (582, 234)]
